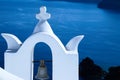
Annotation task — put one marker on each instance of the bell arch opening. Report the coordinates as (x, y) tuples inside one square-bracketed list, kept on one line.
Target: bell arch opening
[(42, 52)]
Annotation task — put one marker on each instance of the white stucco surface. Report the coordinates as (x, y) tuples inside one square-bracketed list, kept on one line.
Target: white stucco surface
[(4, 75), (65, 58)]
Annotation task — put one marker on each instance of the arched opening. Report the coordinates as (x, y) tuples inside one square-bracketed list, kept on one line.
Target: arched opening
[(42, 52)]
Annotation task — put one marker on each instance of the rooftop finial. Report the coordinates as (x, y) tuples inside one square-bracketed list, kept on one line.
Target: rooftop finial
[(43, 15)]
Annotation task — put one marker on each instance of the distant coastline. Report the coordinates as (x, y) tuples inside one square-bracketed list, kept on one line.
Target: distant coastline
[(110, 4)]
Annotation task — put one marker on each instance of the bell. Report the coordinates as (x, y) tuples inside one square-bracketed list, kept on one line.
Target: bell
[(42, 71)]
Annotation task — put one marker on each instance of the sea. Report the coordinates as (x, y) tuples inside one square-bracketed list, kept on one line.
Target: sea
[(100, 27)]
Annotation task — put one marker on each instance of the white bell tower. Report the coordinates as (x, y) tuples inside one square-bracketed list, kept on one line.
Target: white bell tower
[(19, 56)]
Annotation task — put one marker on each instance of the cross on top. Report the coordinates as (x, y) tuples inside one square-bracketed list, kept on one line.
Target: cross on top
[(43, 15)]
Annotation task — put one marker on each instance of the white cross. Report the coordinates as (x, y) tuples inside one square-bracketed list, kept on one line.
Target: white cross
[(43, 15)]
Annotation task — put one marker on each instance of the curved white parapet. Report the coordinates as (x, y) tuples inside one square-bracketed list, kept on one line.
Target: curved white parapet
[(13, 42), (72, 45), (65, 59), (4, 75)]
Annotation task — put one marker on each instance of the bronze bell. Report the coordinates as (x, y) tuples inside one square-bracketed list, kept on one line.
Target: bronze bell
[(42, 71)]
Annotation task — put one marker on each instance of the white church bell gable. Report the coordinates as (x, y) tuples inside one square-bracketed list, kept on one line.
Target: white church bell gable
[(65, 58)]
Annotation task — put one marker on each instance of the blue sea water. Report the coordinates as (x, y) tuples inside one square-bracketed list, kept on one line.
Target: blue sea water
[(100, 27)]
